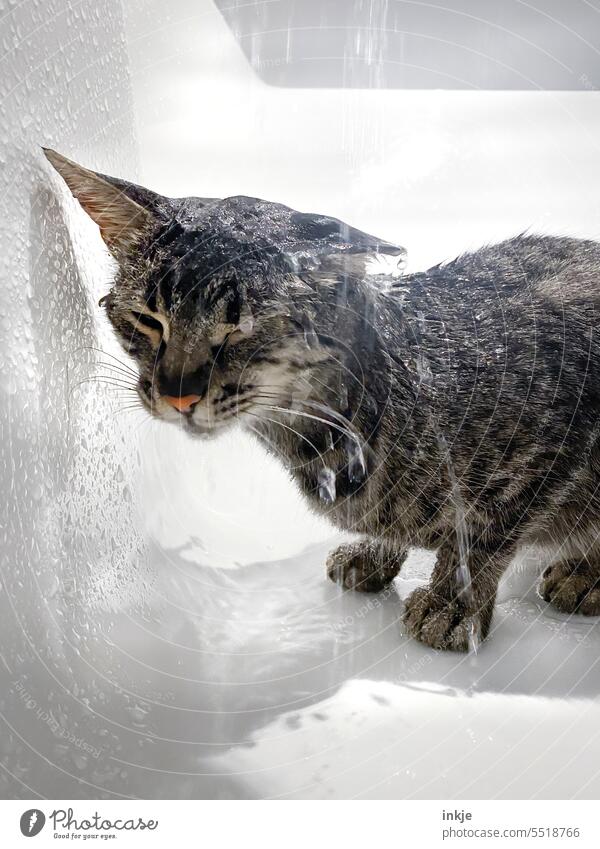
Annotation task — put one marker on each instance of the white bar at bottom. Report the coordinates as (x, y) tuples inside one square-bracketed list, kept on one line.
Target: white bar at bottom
[(300, 824)]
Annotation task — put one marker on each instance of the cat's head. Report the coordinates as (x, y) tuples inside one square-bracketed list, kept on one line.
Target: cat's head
[(214, 298)]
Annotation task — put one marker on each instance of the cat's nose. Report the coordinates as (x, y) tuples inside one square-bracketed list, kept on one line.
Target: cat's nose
[(182, 403)]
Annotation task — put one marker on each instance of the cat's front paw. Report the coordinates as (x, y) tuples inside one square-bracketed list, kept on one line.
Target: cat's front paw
[(361, 566), (572, 588), (440, 623)]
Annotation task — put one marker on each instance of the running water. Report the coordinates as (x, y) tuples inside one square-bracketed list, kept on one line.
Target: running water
[(357, 469), (463, 572), (327, 491)]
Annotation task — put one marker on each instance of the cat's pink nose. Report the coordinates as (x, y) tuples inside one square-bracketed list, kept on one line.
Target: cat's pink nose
[(183, 404)]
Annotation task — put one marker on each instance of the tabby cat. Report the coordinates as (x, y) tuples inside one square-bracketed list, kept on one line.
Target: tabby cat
[(455, 409)]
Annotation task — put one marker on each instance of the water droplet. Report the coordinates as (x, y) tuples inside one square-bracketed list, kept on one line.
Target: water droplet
[(137, 713), (327, 485), (80, 761), (357, 469), (310, 337), (246, 325)]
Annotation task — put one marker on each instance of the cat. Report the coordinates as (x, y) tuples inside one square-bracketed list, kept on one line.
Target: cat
[(455, 409)]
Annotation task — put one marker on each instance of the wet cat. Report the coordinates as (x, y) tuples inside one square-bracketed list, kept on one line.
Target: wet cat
[(455, 409)]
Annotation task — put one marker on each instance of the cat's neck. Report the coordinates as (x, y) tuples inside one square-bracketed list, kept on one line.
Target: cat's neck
[(325, 428)]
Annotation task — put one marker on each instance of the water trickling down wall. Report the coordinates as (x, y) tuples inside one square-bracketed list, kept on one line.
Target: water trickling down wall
[(67, 463)]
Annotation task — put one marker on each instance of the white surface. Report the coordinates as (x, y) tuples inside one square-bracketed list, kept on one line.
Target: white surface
[(178, 637)]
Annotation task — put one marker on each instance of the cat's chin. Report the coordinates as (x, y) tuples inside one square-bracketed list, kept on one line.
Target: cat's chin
[(200, 431)]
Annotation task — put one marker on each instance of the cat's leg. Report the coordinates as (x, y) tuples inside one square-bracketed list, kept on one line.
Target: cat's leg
[(367, 566), (447, 614), (573, 585)]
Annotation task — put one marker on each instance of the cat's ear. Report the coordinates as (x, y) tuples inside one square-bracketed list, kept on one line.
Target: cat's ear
[(124, 212), (336, 248)]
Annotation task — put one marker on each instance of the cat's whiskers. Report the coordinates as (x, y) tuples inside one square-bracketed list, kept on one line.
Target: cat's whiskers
[(110, 378), (289, 428), (98, 379), (324, 408), (263, 437), (128, 408), (104, 353), (119, 389), (113, 368), (351, 434)]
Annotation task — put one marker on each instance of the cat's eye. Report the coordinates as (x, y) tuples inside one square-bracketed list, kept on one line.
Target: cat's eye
[(147, 321), (152, 326)]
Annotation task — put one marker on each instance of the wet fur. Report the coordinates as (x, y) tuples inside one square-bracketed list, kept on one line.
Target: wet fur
[(498, 351)]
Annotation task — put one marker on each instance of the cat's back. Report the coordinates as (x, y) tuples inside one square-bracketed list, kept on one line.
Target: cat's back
[(512, 321), (524, 269)]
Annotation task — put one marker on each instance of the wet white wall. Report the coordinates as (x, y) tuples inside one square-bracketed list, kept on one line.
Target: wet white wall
[(67, 463)]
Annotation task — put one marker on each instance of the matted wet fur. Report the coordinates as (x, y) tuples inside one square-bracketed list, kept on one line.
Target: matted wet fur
[(395, 402)]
